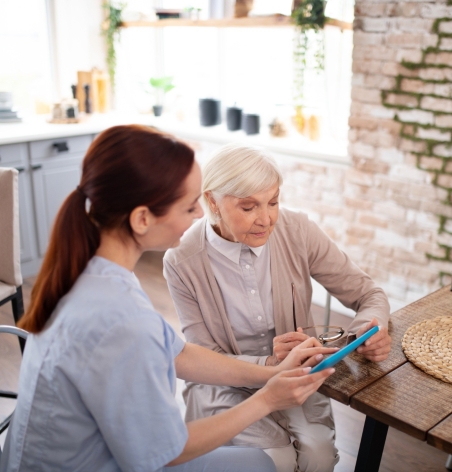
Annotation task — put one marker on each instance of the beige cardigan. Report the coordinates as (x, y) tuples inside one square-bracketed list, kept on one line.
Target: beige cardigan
[(299, 250)]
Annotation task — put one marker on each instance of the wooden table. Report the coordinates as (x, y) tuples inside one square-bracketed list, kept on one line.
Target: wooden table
[(394, 392)]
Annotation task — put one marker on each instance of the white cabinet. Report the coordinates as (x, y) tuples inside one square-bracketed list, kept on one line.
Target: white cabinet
[(49, 170), (56, 172), (16, 155)]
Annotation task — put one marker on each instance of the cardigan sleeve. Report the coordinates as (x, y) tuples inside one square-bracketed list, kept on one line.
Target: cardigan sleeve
[(344, 280), (190, 315)]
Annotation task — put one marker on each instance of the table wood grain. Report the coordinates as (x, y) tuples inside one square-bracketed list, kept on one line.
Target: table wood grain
[(441, 435), (406, 399), (355, 372)]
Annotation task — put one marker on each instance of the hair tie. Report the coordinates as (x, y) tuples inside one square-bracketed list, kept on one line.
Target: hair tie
[(87, 200)]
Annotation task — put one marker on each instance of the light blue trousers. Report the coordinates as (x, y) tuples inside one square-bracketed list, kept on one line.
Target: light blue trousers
[(228, 459)]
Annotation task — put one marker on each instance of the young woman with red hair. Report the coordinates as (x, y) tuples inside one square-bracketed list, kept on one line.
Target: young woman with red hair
[(98, 376)]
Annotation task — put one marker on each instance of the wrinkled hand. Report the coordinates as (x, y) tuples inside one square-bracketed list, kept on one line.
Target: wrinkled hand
[(292, 387), (378, 346), (283, 344), (307, 354)]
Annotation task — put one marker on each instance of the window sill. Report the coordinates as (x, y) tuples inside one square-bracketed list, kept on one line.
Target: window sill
[(298, 146), (294, 145)]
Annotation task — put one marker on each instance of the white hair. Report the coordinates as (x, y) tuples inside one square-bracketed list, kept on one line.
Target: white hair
[(238, 171)]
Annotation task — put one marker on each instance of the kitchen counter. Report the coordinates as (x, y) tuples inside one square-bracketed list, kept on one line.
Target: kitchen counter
[(35, 129)]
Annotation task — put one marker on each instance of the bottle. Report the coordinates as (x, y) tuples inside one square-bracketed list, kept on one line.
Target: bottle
[(88, 108)]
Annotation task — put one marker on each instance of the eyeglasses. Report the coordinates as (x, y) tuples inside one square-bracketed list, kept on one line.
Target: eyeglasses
[(329, 333)]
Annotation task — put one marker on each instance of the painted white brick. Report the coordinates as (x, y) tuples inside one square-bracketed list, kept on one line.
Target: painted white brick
[(358, 80), (410, 174), (444, 90), (444, 120), (414, 24), (433, 134), (446, 44), (416, 116), (445, 238), (436, 10), (391, 155), (390, 209), (362, 150), (443, 150), (368, 39), (378, 25), (426, 220), (445, 27), (410, 55), (437, 104), (382, 112), (392, 239)]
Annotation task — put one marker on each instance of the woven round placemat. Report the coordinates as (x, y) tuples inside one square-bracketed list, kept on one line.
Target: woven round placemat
[(428, 345)]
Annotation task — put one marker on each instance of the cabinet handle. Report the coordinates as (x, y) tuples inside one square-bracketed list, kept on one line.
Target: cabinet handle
[(61, 147), (20, 169), (36, 167)]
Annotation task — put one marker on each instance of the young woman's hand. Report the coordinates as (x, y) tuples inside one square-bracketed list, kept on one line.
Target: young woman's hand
[(284, 343), (378, 346), (307, 354), (292, 387)]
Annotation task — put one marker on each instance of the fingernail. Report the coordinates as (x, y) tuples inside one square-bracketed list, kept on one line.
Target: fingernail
[(319, 357), (359, 349), (307, 369), (332, 371)]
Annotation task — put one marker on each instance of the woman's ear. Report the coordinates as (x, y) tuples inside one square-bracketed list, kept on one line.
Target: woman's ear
[(141, 220), (211, 201)]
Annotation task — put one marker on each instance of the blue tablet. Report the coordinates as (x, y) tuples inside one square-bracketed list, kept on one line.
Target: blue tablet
[(339, 355)]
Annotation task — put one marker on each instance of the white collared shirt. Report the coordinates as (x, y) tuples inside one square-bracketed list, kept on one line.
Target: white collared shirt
[(244, 278)]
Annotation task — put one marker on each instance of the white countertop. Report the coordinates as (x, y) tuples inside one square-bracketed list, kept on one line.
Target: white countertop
[(35, 129)]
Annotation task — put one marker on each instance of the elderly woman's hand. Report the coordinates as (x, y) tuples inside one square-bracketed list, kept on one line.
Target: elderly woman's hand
[(283, 344), (377, 347), (308, 354)]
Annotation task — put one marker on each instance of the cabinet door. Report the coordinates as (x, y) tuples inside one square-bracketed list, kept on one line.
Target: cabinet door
[(52, 183)]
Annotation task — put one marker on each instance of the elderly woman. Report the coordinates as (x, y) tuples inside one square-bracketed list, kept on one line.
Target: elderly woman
[(232, 282)]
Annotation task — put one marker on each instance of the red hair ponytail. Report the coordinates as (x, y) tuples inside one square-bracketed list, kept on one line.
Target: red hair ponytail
[(125, 167)]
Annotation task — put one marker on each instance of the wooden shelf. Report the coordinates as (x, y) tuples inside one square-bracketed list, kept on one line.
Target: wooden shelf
[(269, 21)]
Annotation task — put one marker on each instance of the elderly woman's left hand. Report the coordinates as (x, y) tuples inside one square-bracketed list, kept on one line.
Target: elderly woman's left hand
[(284, 343), (378, 346)]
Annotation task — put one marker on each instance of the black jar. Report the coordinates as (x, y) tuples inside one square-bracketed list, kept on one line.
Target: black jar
[(209, 111), (233, 118), (251, 123)]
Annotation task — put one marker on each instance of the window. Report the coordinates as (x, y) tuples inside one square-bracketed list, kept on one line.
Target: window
[(252, 67), (25, 68)]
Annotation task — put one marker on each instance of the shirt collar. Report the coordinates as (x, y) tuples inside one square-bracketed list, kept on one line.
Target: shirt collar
[(227, 248)]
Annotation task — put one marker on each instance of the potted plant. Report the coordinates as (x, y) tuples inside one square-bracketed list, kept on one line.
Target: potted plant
[(111, 30), (308, 15), (162, 85)]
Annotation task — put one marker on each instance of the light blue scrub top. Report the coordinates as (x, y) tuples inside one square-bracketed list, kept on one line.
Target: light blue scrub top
[(97, 386)]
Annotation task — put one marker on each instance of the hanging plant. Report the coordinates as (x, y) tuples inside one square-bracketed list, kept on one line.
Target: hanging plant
[(111, 30), (308, 15)]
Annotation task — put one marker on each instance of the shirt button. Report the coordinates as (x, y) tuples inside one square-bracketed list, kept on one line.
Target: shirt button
[(253, 292), (259, 318), (264, 348), (262, 335), (247, 266)]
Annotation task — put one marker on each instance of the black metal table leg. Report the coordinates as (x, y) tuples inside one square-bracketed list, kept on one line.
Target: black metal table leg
[(372, 445)]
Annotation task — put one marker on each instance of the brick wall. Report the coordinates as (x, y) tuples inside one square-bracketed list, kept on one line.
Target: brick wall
[(391, 209)]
